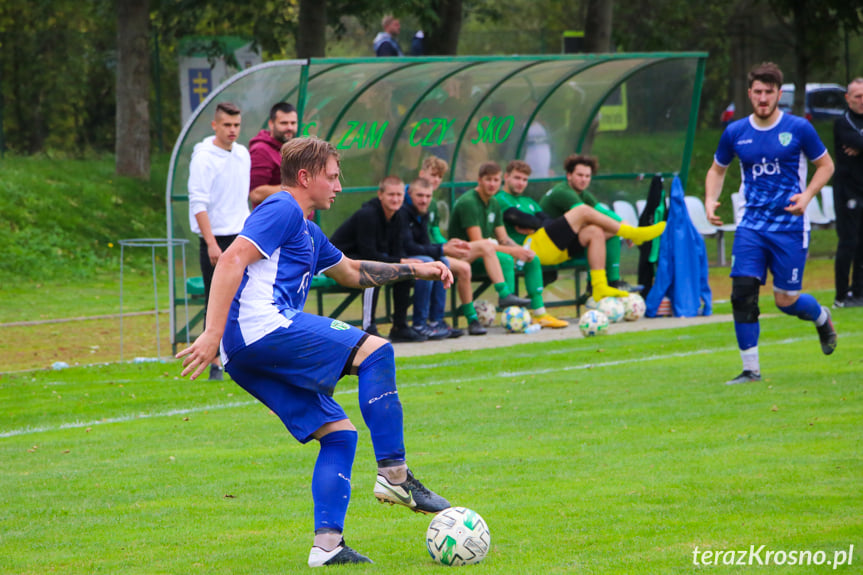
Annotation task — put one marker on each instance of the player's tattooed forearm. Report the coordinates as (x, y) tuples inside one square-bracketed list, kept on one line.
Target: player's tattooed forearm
[(374, 274)]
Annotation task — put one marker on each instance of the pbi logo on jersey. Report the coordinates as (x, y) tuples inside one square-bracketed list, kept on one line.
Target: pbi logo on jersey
[(339, 325), (491, 218), (765, 168), (785, 138)]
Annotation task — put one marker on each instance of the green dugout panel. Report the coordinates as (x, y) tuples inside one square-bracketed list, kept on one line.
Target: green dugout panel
[(636, 112)]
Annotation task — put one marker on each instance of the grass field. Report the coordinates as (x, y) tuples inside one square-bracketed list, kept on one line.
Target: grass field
[(618, 454)]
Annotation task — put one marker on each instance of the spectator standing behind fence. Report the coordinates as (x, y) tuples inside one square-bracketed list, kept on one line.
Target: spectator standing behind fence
[(374, 232), (218, 194), (385, 43), (265, 151), (848, 199)]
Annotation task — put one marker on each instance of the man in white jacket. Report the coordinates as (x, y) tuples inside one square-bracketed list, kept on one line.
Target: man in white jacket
[(219, 177)]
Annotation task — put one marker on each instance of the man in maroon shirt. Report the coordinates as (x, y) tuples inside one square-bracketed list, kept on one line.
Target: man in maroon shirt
[(265, 151)]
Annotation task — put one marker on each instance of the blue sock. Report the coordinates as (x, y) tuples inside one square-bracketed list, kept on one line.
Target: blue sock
[(747, 334), (380, 405), (331, 481), (806, 308)]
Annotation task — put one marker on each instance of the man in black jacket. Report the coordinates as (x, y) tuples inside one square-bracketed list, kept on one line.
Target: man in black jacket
[(374, 232), (429, 296), (848, 198)]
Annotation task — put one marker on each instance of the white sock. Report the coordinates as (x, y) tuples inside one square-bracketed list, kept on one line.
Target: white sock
[(538, 311), (327, 541), (750, 359), (822, 319)]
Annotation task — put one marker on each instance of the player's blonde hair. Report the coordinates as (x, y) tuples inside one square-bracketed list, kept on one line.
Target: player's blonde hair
[(305, 153), (434, 166)]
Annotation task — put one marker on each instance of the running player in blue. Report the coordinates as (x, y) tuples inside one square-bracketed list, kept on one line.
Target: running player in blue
[(773, 149), (291, 361)]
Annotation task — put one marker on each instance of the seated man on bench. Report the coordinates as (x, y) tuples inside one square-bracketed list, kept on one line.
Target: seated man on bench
[(581, 229), (477, 216)]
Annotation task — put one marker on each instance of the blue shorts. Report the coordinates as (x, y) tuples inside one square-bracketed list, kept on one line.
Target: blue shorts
[(783, 253), (294, 371)]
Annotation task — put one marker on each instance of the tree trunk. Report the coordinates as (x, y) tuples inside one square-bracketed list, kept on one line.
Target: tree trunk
[(312, 29), (597, 26), (133, 89), (441, 38)]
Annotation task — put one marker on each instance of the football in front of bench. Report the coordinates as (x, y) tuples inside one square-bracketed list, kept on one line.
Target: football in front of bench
[(486, 312)]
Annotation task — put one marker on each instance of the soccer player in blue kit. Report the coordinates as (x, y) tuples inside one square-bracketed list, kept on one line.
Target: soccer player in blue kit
[(773, 149), (291, 361)]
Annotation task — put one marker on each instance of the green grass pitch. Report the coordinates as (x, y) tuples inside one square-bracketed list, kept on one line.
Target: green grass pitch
[(615, 454)]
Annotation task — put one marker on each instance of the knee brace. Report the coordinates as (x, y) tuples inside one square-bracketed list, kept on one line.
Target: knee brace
[(744, 299)]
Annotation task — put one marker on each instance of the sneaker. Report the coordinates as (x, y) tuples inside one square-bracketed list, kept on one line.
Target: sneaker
[(476, 328), (626, 286), (412, 494), (406, 334), (827, 334), (548, 320), (217, 372), (848, 302), (433, 332), (453, 332), (746, 376), (339, 556), (513, 299)]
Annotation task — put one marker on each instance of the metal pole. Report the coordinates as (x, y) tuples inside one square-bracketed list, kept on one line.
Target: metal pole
[(121, 301), (156, 299)]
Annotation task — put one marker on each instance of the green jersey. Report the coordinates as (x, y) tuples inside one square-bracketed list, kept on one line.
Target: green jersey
[(562, 198), (522, 203), (469, 210), (435, 234)]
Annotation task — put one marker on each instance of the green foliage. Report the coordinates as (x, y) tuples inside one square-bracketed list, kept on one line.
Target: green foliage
[(617, 454), (62, 216)]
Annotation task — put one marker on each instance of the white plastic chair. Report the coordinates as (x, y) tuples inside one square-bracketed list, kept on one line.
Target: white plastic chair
[(626, 211), (816, 216), (827, 205), (698, 215)]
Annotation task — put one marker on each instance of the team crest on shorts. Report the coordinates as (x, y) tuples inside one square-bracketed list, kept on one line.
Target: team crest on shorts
[(339, 325), (785, 138)]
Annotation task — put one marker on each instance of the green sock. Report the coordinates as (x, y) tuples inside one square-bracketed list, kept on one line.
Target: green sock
[(612, 258), (502, 290), (469, 312)]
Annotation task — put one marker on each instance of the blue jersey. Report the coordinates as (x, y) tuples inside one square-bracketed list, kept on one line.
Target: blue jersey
[(275, 287), (773, 162)]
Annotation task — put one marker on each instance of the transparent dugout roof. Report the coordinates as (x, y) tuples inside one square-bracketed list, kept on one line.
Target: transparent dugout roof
[(636, 112)]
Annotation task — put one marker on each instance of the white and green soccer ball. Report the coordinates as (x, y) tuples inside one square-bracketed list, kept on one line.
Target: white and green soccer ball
[(593, 322), (486, 312), (613, 308), (515, 319), (590, 303), (458, 536), (634, 306)]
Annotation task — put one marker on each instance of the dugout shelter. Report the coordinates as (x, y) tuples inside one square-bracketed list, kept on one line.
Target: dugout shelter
[(637, 112)]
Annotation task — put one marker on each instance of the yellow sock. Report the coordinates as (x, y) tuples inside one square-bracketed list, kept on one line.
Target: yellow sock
[(641, 234), (600, 287)]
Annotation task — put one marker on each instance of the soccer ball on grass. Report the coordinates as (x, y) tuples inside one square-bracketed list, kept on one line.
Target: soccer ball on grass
[(485, 311), (515, 319), (458, 536), (593, 322)]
